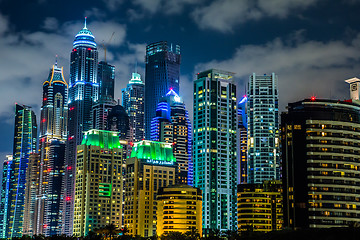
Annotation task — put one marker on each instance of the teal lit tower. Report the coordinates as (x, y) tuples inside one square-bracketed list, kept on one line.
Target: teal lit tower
[(215, 147), (133, 101), (25, 139), (263, 129), (83, 94)]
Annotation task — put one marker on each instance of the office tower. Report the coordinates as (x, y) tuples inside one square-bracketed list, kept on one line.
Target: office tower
[(98, 184), (25, 134), (263, 129), (31, 190), (260, 207), (179, 209), (5, 193), (133, 102), (320, 163), (242, 132), (215, 147), (172, 125), (54, 199), (53, 127), (106, 80), (151, 166), (118, 121), (101, 109), (162, 72), (83, 93)]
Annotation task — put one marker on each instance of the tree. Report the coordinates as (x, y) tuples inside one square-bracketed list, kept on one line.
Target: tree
[(193, 234), (173, 236)]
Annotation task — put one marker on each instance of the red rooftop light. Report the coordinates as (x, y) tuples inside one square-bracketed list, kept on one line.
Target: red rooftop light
[(313, 98)]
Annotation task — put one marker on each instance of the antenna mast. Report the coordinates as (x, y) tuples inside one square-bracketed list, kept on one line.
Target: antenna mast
[(105, 46)]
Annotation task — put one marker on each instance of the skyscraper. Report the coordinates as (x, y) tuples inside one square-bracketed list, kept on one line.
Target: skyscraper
[(162, 72), (215, 147), (320, 163), (151, 166), (172, 125), (53, 126), (242, 132), (4, 194), (133, 102), (83, 93), (25, 137), (118, 121), (263, 129), (99, 182)]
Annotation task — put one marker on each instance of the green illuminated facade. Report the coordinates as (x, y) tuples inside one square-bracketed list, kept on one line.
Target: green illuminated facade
[(153, 150), (98, 182)]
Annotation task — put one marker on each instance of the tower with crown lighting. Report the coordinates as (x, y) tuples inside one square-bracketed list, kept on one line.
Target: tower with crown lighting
[(172, 125), (83, 93), (133, 102)]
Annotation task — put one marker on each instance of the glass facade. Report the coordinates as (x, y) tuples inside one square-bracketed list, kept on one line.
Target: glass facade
[(215, 147), (162, 72), (133, 101), (321, 163), (83, 93), (263, 129), (25, 135)]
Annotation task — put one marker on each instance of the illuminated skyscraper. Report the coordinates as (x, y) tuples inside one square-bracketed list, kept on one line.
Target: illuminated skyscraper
[(215, 147), (242, 132), (172, 125), (25, 135), (53, 127), (151, 166), (5, 193), (162, 72), (263, 129), (83, 93), (133, 102), (99, 182)]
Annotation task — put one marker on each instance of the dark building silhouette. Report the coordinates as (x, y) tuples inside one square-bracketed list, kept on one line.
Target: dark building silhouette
[(118, 121), (162, 72)]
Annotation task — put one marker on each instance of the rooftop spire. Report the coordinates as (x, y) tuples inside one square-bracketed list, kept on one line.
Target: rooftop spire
[(56, 57), (85, 23)]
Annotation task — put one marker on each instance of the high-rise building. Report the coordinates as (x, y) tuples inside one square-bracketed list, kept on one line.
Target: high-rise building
[(106, 80), (83, 93), (162, 72), (242, 132), (179, 209), (263, 129), (53, 127), (99, 183), (215, 147), (25, 139), (133, 102), (320, 163), (151, 166), (118, 120), (100, 112), (5, 193), (31, 190), (172, 125), (260, 207)]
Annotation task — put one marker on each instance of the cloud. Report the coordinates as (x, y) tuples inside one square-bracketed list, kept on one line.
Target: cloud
[(50, 24), (27, 57), (224, 15), (304, 68)]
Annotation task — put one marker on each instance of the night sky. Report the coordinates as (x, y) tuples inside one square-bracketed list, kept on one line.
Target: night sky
[(312, 45)]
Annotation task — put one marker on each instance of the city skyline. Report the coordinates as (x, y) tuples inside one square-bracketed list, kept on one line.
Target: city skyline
[(296, 33)]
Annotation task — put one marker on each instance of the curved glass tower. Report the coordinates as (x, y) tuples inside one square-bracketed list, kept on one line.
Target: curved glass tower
[(83, 93)]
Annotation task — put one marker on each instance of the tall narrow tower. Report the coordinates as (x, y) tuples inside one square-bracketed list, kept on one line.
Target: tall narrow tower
[(83, 93), (162, 72), (24, 144), (172, 125), (53, 129), (215, 147), (263, 129), (133, 102)]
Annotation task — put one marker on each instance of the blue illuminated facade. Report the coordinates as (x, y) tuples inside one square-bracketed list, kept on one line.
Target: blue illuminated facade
[(242, 135), (162, 72), (83, 93), (25, 139), (263, 129), (172, 125)]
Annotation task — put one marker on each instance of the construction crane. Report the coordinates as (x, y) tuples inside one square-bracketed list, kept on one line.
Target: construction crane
[(105, 46)]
